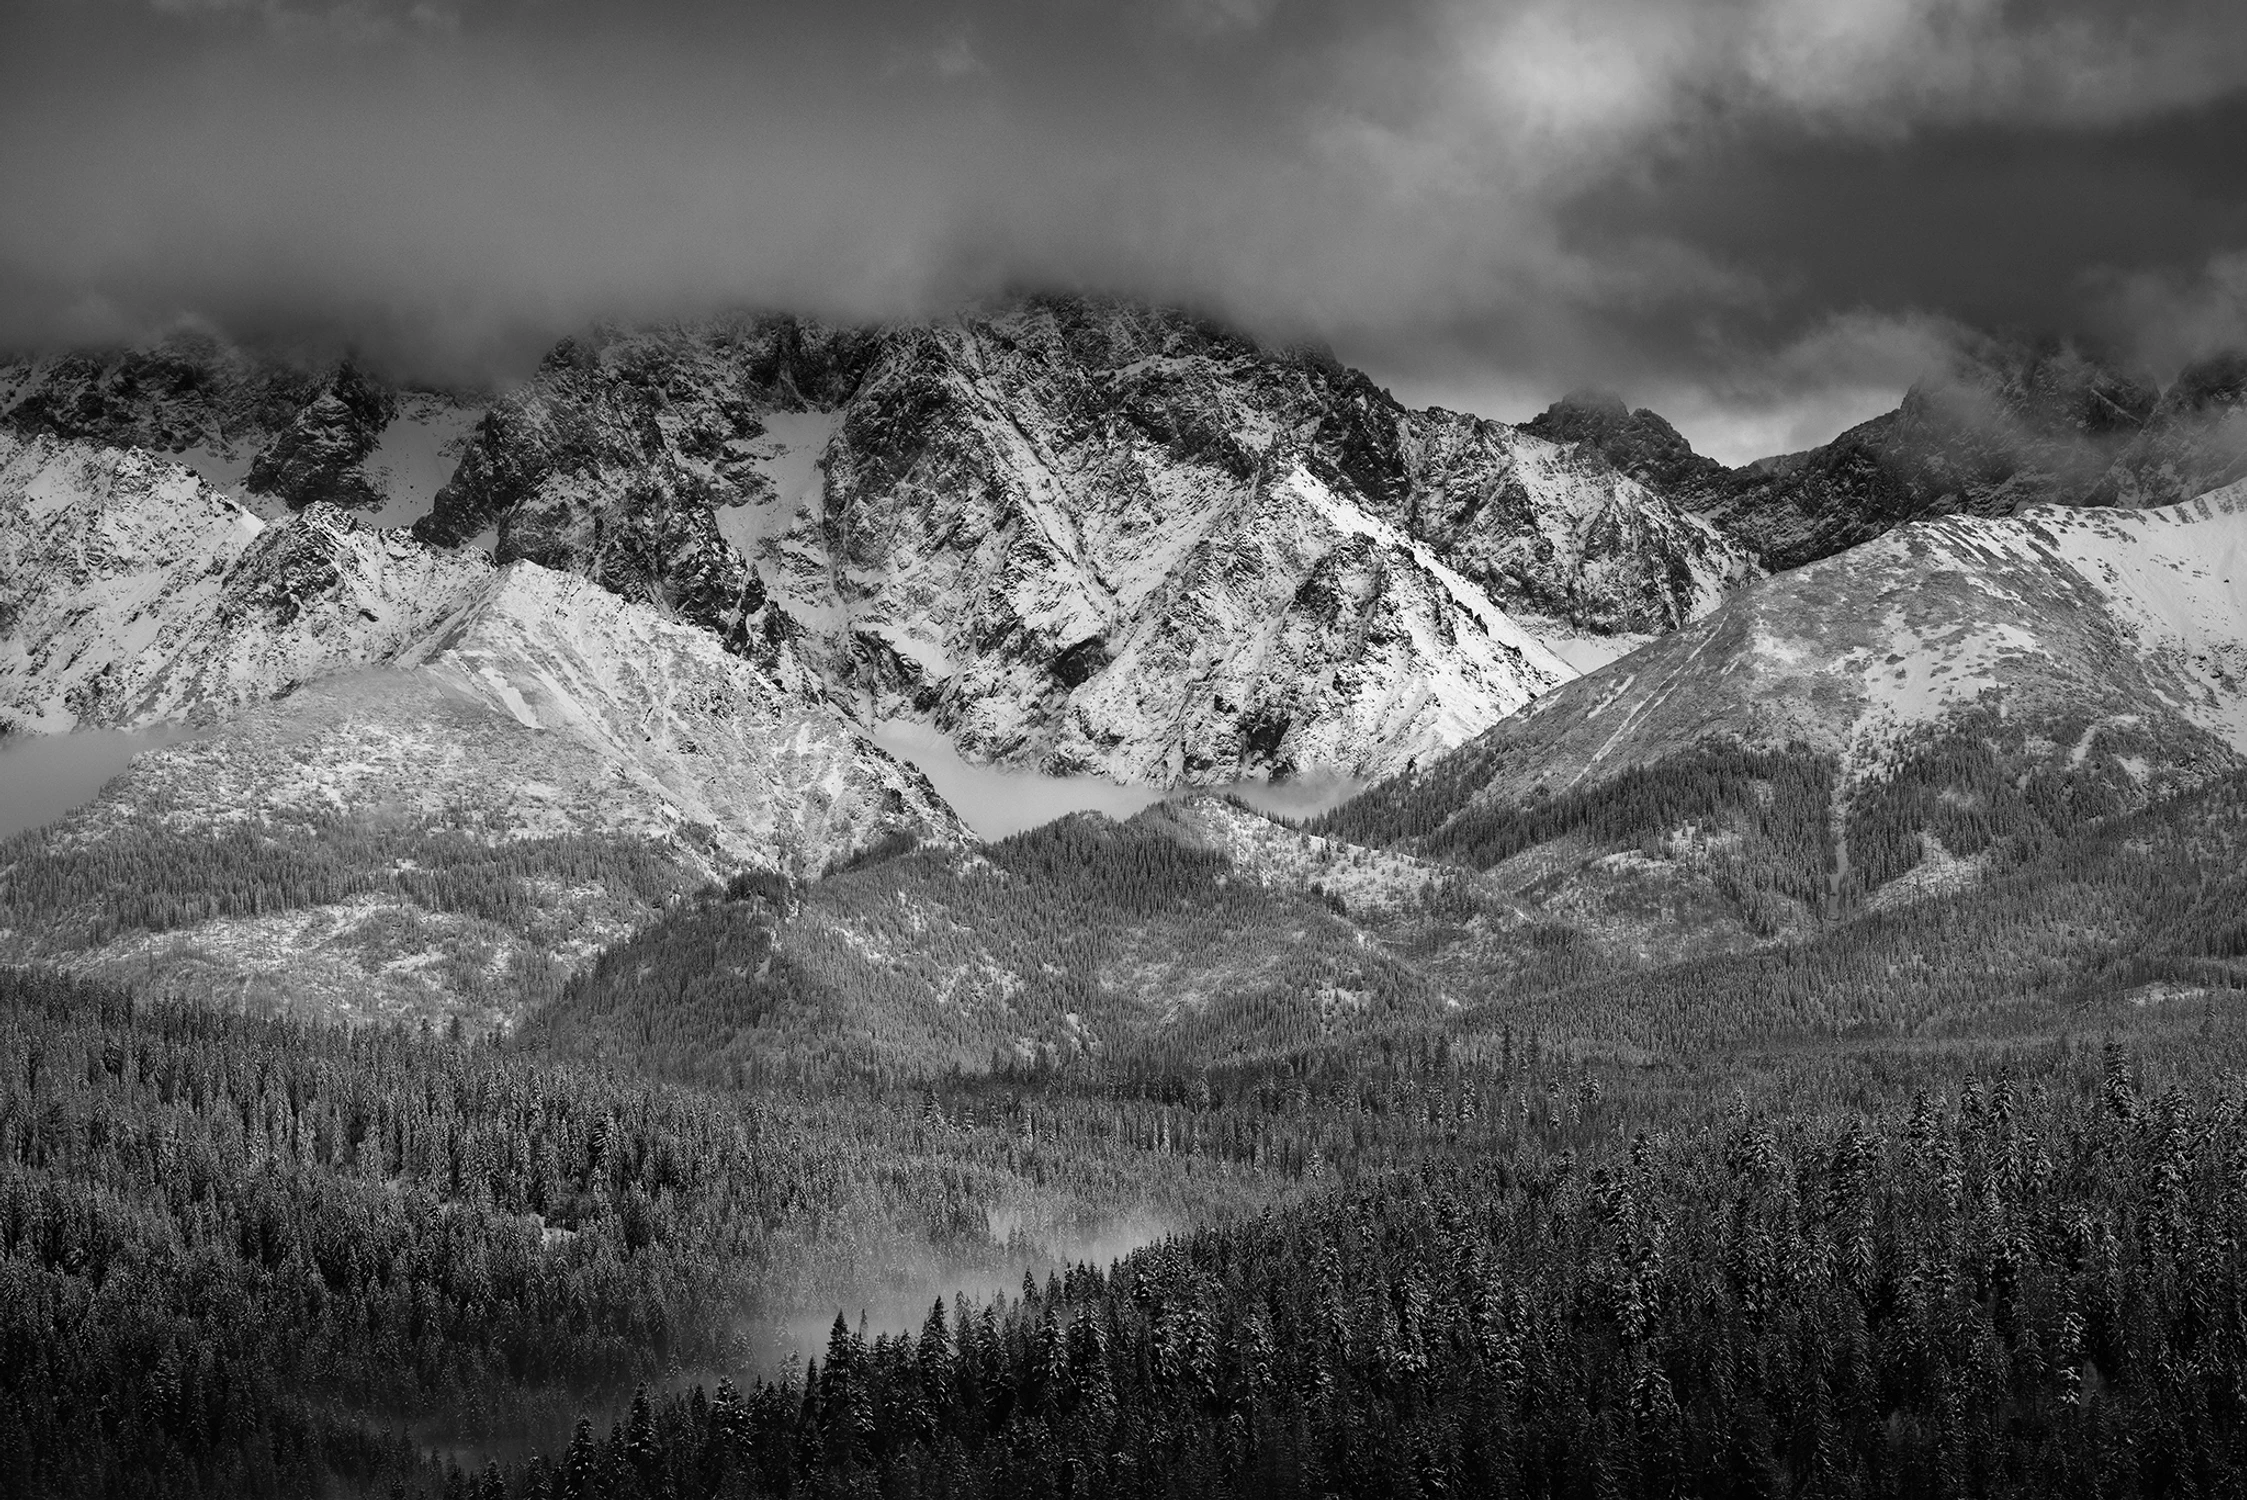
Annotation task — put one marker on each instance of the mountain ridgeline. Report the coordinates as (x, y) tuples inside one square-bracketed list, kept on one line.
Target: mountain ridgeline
[(1087, 536), (1769, 1023), (2000, 425)]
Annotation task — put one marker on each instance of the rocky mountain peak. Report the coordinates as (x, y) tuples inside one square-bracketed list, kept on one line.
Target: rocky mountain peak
[(2194, 441), (2216, 383), (1638, 443), (2020, 396), (320, 454), (1083, 533), (189, 390), (2001, 424), (284, 430)]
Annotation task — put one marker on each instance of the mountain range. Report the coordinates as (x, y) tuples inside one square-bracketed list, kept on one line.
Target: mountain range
[(486, 686)]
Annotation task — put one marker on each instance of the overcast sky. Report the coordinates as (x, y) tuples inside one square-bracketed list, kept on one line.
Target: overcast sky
[(1758, 216)]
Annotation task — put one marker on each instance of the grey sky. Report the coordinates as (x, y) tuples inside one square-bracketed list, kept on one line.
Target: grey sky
[(1758, 216)]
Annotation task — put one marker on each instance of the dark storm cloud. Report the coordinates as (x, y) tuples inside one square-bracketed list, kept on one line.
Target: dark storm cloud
[(1758, 214)]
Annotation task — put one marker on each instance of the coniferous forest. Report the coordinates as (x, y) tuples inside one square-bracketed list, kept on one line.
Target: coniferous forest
[(1946, 1198)]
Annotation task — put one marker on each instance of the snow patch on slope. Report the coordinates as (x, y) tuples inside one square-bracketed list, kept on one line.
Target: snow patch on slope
[(1350, 520), (786, 461), (417, 453)]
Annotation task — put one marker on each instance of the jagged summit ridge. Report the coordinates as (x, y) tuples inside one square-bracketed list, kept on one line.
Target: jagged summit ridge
[(2003, 424), (1084, 535), (135, 594), (1639, 443), (283, 431)]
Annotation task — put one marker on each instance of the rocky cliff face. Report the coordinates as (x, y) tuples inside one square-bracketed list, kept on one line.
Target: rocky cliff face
[(132, 592), (2006, 425), (2195, 441), (1086, 536), (285, 433), (321, 454), (190, 392), (1638, 443)]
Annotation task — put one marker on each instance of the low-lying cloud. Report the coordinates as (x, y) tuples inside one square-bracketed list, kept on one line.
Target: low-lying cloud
[(455, 181)]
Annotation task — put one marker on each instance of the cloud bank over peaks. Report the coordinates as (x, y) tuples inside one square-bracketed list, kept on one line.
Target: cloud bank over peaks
[(1466, 197), (1588, 73)]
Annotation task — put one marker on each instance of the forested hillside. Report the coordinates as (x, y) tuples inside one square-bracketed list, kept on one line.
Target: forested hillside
[(1965, 1155), (2030, 1288), (289, 1259), (1079, 942)]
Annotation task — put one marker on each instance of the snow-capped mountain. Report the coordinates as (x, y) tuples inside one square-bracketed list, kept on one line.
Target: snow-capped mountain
[(428, 783), (521, 787), (2003, 425), (2134, 621), (1086, 536), (135, 594), (1889, 712)]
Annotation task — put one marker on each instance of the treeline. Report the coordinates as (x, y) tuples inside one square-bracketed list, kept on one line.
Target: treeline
[(1093, 947), (1781, 800), (1983, 788), (1980, 788), (149, 879), (1079, 941), (2033, 1289), (2147, 908)]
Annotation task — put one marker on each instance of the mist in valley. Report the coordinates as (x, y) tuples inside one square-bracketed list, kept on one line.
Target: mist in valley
[(43, 776)]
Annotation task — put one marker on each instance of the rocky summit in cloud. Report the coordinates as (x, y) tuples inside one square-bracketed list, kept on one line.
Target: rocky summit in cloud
[(1751, 214)]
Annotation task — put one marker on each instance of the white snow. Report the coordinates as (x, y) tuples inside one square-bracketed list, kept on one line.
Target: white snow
[(1350, 520), (417, 455), (788, 457)]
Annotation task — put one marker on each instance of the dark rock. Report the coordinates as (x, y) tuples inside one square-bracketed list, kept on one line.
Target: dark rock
[(2195, 441), (189, 390), (1638, 443), (318, 455), (2005, 425)]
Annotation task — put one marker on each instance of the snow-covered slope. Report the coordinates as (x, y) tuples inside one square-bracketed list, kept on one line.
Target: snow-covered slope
[(360, 691), (132, 592), (1898, 706), (708, 750), (2135, 619), (1086, 536)]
